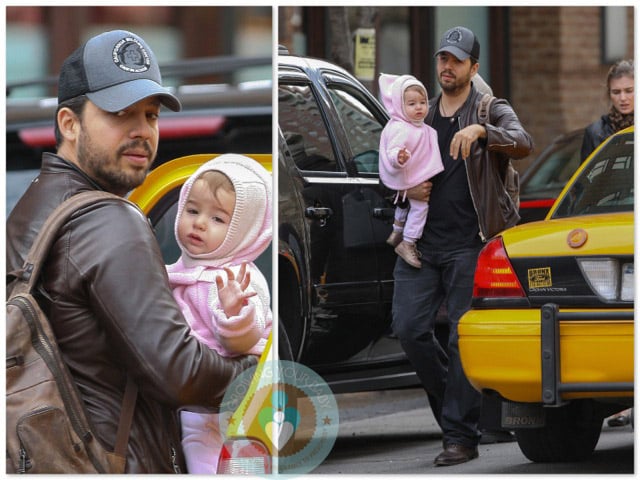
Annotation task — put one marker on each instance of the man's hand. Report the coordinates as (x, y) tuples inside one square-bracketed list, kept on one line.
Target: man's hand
[(420, 192), (461, 142)]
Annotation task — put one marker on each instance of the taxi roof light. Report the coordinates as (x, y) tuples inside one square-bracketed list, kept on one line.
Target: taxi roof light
[(494, 275)]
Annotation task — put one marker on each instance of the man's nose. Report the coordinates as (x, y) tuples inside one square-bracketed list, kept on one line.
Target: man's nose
[(141, 128)]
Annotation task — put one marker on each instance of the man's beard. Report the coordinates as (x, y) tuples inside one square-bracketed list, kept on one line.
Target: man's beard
[(105, 169), (457, 85)]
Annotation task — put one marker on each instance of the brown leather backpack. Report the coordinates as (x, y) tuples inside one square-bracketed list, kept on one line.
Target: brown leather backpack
[(47, 429), (511, 178)]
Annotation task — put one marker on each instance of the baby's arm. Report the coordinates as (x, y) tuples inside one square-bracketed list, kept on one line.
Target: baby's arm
[(237, 330), (397, 150)]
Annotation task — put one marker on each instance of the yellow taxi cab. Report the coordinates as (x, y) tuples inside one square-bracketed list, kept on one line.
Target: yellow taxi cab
[(247, 448), (551, 328)]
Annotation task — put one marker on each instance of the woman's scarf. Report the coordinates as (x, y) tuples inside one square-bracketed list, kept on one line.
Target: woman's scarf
[(619, 120)]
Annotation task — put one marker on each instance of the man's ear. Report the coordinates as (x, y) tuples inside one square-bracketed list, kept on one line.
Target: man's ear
[(68, 124)]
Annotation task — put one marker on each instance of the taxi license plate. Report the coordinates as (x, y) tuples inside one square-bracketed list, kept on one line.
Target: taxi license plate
[(522, 415)]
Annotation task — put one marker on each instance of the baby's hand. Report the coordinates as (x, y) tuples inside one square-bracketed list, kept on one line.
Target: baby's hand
[(233, 295), (403, 156)]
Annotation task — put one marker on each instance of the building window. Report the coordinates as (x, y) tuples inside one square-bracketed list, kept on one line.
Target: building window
[(614, 34)]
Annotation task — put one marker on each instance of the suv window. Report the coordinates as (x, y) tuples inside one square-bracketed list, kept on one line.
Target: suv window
[(304, 129), (362, 128)]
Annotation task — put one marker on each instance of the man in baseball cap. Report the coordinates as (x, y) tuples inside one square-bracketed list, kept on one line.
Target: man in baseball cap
[(461, 42), (471, 187), (107, 292), (114, 70)]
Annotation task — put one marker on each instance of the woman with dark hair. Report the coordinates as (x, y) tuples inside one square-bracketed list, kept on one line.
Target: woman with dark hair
[(620, 91)]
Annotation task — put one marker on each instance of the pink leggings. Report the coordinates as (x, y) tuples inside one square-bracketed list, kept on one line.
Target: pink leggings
[(414, 219)]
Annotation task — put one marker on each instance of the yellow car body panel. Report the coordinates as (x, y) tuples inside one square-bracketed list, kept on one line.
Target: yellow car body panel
[(607, 234), (244, 420), (174, 173), (158, 183), (500, 351)]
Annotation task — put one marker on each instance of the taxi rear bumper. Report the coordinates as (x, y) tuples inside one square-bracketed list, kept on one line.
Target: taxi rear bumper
[(549, 356)]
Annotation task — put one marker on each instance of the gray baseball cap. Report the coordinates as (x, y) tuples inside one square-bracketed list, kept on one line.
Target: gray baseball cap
[(114, 70), (461, 42)]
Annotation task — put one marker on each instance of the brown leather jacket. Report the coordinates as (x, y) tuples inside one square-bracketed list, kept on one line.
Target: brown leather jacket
[(506, 138), (113, 314)]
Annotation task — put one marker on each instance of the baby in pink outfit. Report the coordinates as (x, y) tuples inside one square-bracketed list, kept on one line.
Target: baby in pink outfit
[(223, 224), (409, 155)]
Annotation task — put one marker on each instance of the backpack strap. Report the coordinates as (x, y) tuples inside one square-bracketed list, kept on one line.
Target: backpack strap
[(126, 417), (484, 108), (511, 179)]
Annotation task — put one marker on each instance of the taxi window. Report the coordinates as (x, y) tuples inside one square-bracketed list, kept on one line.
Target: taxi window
[(165, 234), (304, 129), (362, 128), (606, 184)]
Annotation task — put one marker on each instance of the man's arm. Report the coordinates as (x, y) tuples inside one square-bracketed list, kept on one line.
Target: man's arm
[(116, 258), (505, 133)]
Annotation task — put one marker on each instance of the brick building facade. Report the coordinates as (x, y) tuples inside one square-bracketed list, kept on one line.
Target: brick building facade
[(558, 80)]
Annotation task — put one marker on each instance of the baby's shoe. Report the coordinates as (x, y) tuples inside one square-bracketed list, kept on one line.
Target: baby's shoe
[(394, 238), (409, 253)]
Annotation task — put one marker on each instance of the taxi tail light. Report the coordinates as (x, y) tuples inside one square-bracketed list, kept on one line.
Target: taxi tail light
[(609, 278), (244, 456), (495, 277)]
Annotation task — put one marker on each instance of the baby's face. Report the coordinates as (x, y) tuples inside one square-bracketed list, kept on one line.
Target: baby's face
[(415, 105), (205, 219)]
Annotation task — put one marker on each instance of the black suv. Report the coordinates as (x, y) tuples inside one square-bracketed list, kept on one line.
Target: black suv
[(335, 269)]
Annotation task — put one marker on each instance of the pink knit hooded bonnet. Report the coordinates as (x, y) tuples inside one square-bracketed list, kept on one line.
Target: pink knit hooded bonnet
[(250, 230), (392, 88)]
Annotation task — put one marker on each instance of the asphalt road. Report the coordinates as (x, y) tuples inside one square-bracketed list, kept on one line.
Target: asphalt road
[(394, 432)]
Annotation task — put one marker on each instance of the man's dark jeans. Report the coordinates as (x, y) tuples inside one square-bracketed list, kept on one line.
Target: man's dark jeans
[(445, 276)]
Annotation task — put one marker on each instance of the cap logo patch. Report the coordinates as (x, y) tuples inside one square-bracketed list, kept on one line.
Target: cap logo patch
[(454, 36), (131, 56)]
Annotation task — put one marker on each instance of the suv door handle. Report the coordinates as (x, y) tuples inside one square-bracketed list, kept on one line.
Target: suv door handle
[(383, 213), (318, 213)]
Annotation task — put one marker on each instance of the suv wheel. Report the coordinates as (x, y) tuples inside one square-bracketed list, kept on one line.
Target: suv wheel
[(571, 433), (290, 315)]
